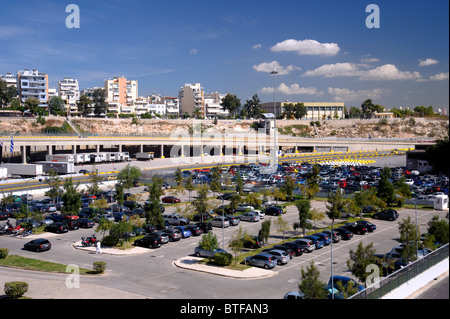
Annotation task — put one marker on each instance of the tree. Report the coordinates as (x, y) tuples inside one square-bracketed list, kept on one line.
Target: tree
[(409, 236), (252, 107), (300, 110), (438, 228), (128, 176), (119, 194), (32, 105), (385, 189), (178, 177), (96, 179), (367, 197), (236, 243), (368, 109), (71, 198), (311, 186), (310, 284), (281, 225), (189, 185), (335, 205), (56, 106), (99, 100), (438, 154), (209, 242), (264, 232), (239, 183), (7, 93), (215, 179), (201, 202), (231, 103), (288, 187), (303, 207), (54, 182), (360, 259), (84, 105)]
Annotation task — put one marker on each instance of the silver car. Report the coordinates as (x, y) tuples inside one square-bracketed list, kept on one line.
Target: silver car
[(250, 217), (220, 221), (281, 256), (200, 252), (265, 260)]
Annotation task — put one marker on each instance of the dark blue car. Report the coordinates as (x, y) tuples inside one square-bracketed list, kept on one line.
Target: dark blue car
[(325, 238), (340, 283), (316, 240)]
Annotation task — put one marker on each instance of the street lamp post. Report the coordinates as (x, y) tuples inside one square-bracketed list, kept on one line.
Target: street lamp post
[(275, 150)]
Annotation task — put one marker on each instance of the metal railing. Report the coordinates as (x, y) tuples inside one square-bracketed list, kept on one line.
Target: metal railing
[(403, 275)]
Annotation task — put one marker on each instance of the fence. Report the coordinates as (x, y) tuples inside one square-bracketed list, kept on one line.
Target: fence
[(398, 278)]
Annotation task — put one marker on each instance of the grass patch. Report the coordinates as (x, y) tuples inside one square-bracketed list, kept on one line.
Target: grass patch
[(37, 264)]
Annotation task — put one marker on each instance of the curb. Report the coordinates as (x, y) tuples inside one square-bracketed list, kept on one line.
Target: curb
[(191, 263)]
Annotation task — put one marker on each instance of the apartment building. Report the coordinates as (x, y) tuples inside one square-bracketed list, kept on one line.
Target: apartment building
[(121, 91), (316, 110), (155, 104), (10, 79), (69, 92), (212, 105), (191, 97), (32, 83)]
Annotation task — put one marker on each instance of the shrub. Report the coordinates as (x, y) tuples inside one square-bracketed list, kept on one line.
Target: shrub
[(15, 289), (99, 267), (223, 258), (4, 252), (110, 240)]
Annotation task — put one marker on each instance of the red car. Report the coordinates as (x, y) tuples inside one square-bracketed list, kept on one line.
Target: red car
[(170, 199)]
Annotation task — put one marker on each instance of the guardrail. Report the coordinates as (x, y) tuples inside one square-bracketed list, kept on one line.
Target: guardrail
[(398, 278)]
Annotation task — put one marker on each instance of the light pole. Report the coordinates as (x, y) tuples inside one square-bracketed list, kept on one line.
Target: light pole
[(275, 150)]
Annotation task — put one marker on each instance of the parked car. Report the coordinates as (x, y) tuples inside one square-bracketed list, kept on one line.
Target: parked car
[(343, 281), (387, 214), (200, 252), (194, 229), (72, 224), (57, 227), (253, 242), (370, 227), (204, 226), (170, 199), (307, 244), (355, 228), (164, 238), (39, 244), (281, 256), (298, 250), (233, 220), (185, 233), (176, 219), (316, 240), (333, 234), (260, 213), (265, 260), (244, 207), (220, 221), (250, 217), (149, 240), (286, 249), (324, 237), (345, 233), (86, 223), (294, 295), (173, 234), (273, 210)]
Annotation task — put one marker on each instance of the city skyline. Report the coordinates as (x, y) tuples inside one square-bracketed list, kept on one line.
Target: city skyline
[(322, 51)]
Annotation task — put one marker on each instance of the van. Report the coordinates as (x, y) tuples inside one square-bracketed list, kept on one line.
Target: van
[(306, 244)]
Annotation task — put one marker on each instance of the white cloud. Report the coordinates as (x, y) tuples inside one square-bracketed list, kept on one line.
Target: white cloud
[(307, 47), (293, 89), (389, 72), (436, 77), (348, 95), (384, 72), (332, 70), (193, 51), (274, 65), (257, 46), (428, 62)]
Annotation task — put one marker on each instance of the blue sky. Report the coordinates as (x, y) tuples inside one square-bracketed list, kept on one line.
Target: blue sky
[(322, 50)]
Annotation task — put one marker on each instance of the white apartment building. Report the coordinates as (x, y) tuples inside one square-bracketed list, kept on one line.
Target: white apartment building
[(120, 90), (154, 104), (191, 97), (32, 83), (315, 110), (10, 79), (212, 105), (69, 92)]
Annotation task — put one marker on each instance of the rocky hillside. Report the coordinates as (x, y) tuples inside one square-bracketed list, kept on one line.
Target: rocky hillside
[(392, 128)]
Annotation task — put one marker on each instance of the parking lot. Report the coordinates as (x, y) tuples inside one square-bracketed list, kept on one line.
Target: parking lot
[(150, 273)]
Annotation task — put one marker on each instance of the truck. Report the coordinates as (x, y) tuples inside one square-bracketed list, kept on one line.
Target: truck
[(60, 158), (23, 170), (145, 156), (61, 168), (3, 173)]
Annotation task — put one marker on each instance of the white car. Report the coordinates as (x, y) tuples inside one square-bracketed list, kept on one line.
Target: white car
[(260, 213)]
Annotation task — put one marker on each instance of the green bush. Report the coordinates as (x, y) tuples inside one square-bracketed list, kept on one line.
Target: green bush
[(223, 258), (110, 240), (4, 252), (99, 267), (15, 289)]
